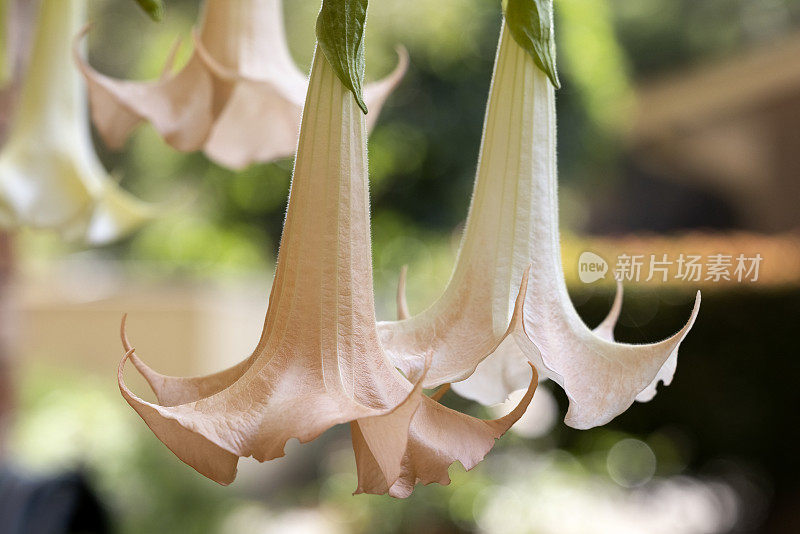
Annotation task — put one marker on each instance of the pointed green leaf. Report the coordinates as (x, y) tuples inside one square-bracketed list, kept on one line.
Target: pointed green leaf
[(154, 8), (531, 25), (340, 33)]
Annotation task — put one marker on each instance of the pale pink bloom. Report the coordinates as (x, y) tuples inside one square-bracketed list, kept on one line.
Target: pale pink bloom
[(238, 98), (510, 253), (319, 362)]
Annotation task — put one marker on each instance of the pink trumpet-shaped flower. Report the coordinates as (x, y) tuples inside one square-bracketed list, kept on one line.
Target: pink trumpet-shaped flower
[(319, 362), (239, 97), (510, 251)]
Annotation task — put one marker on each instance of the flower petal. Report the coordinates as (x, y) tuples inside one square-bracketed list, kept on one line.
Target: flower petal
[(258, 123), (239, 98), (501, 372), (606, 327), (376, 93), (178, 106), (173, 390), (116, 213), (468, 322), (601, 377), (208, 458), (240, 135), (402, 303), (319, 362), (606, 331), (384, 438), (513, 222), (504, 370), (438, 437)]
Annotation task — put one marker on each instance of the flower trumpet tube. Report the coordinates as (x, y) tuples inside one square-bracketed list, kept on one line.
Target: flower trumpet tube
[(319, 362), (480, 308), (50, 176), (510, 251), (239, 97)]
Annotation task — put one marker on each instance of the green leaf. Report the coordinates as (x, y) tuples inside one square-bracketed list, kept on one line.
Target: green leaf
[(154, 8), (340, 33), (531, 25)]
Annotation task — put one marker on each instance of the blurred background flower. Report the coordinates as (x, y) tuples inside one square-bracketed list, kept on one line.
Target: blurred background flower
[(677, 117)]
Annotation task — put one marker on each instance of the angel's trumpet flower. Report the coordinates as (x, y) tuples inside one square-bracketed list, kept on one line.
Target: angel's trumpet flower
[(239, 97), (513, 226), (318, 362), (50, 176)]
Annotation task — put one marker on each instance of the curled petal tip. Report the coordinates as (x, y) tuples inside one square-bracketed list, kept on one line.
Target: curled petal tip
[(376, 93), (519, 304), (206, 457), (402, 302), (211, 62), (121, 366), (123, 332), (166, 70), (505, 422), (603, 378), (692, 318), (606, 328), (403, 60), (82, 32)]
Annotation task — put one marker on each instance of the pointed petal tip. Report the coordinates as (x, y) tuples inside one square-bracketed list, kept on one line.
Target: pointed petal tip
[(217, 68), (192, 448), (690, 322), (505, 422), (82, 33), (77, 56), (577, 418), (376, 432), (166, 70), (123, 334), (606, 327), (153, 379), (376, 93), (403, 61), (402, 302), (519, 305)]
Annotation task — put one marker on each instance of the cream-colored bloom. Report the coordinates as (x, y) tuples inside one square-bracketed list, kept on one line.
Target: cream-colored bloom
[(510, 252), (319, 362), (50, 176), (239, 97)]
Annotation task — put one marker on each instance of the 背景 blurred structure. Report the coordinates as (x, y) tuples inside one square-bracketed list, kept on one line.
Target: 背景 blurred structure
[(726, 129)]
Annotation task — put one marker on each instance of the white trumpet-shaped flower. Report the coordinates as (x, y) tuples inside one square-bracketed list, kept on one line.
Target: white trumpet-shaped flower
[(239, 97), (510, 252), (319, 362), (50, 176)]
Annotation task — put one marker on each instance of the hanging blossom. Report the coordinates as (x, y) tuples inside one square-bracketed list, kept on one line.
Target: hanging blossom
[(50, 176), (319, 362), (239, 97), (510, 252)]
